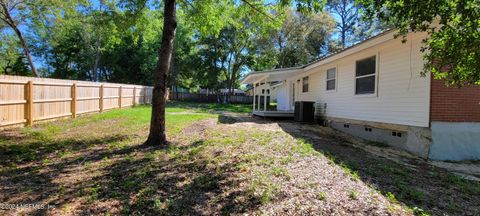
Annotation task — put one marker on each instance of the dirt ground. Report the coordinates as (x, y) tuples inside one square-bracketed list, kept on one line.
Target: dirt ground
[(423, 186), (229, 165)]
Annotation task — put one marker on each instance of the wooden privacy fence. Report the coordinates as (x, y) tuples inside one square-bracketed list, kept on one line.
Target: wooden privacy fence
[(24, 100), (212, 98)]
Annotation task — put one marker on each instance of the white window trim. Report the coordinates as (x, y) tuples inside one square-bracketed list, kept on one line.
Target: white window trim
[(375, 93), (336, 79), (301, 82)]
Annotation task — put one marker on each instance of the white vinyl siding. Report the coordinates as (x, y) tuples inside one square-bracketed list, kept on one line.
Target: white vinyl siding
[(282, 98), (402, 97), (305, 84)]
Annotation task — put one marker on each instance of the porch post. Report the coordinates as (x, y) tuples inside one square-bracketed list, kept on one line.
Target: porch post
[(265, 97), (254, 97), (259, 96)]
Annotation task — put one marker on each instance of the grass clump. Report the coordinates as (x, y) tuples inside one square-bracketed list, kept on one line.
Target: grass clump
[(263, 188), (280, 172), (348, 171), (322, 195), (304, 147), (353, 194)]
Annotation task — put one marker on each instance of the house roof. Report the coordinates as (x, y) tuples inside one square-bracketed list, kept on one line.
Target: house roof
[(278, 74), (272, 75)]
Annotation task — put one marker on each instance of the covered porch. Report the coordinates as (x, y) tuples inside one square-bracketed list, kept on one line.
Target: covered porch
[(273, 96)]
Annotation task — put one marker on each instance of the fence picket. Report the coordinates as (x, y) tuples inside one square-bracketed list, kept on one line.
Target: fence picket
[(26, 100), (74, 100)]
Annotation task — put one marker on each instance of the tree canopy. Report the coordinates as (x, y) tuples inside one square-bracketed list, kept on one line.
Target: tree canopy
[(452, 49), (117, 40)]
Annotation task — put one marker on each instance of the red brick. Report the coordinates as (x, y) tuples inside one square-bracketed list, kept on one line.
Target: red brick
[(454, 104)]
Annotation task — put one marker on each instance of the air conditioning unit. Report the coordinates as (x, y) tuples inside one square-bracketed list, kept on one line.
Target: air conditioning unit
[(304, 111), (320, 110)]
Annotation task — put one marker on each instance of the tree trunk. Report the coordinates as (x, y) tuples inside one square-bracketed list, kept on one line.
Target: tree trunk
[(231, 91), (10, 22), (97, 47), (97, 59), (27, 51), (157, 123)]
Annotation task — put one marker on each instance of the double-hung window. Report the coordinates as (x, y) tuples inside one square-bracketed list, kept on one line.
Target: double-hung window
[(331, 79), (365, 76), (305, 84)]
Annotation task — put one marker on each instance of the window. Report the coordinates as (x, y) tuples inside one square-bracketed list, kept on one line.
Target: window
[(365, 76), (305, 84), (331, 79)]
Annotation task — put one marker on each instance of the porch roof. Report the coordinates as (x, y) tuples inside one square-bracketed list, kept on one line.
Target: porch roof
[(272, 75)]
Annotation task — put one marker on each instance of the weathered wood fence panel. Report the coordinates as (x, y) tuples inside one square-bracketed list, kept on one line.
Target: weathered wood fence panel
[(25, 100), (211, 98)]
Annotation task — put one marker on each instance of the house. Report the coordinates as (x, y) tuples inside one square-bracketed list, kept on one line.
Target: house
[(223, 91), (375, 90)]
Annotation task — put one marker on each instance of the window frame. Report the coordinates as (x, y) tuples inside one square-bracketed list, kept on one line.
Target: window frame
[(335, 78), (307, 85), (355, 77)]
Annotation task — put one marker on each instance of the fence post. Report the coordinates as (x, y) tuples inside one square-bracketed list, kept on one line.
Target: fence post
[(144, 93), (73, 105), (100, 102), (134, 95), (120, 97), (29, 104)]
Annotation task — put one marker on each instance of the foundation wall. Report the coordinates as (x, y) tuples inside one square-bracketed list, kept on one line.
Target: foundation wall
[(416, 140)]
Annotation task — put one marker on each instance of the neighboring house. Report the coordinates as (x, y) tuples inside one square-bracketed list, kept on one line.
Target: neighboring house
[(223, 91), (375, 90)]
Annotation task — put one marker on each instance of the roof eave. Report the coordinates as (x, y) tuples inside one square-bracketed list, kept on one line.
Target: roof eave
[(345, 52)]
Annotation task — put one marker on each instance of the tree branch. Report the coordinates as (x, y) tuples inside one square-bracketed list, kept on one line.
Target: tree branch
[(258, 10)]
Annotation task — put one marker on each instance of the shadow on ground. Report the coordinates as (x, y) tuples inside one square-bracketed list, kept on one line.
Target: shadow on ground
[(413, 182), (116, 174), (134, 179)]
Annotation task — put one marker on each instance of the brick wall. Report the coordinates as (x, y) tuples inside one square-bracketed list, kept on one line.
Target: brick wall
[(453, 104)]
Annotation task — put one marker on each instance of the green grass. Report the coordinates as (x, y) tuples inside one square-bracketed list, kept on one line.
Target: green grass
[(47, 138), (353, 194), (105, 151), (322, 195), (177, 106)]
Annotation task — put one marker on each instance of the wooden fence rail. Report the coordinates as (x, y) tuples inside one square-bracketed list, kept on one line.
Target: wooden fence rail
[(211, 98), (25, 100)]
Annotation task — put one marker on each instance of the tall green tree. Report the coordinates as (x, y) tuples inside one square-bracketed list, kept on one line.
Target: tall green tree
[(11, 14), (348, 14), (352, 24), (12, 58), (157, 124), (301, 39), (113, 42), (30, 13), (452, 49), (233, 50)]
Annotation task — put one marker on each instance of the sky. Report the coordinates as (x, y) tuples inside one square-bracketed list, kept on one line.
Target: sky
[(39, 61)]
